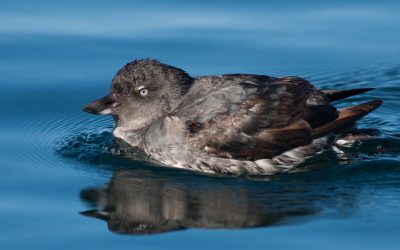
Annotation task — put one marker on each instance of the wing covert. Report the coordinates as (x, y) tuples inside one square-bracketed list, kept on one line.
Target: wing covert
[(249, 117)]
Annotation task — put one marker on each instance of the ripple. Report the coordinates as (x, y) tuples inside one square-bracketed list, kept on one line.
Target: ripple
[(30, 138), (95, 147)]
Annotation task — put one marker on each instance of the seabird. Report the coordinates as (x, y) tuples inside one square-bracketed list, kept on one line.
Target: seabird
[(239, 124)]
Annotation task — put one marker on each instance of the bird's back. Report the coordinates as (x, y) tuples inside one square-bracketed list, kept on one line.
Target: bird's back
[(253, 117)]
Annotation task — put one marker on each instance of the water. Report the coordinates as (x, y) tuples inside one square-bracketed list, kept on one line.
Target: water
[(66, 185)]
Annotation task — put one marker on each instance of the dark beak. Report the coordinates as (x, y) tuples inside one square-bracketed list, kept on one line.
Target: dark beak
[(102, 106), (96, 214)]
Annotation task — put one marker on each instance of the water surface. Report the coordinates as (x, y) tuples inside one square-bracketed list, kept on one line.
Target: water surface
[(66, 184)]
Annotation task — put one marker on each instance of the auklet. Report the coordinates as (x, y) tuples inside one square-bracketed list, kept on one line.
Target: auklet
[(239, 124)]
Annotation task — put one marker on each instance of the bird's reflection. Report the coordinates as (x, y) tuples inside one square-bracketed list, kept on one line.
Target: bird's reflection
[(147, 201)]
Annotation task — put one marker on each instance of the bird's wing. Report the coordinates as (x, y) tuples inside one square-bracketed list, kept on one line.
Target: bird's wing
[(246, 116)]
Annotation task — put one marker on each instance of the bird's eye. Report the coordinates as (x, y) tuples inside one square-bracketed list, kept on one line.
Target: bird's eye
[(143, 91)]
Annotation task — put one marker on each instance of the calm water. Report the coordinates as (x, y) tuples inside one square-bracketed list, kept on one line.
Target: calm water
[(66, 185)]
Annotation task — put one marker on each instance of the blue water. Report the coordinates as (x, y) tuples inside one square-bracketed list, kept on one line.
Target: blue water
[(65, 184)]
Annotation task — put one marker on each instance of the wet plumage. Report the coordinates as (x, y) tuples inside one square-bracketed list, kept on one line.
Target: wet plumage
[(234, 123)]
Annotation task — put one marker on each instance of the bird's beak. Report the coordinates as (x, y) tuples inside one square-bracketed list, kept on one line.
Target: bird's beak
[(102, 106), (96, 214)]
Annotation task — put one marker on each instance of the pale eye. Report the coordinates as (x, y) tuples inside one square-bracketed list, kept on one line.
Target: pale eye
[(143, 92)]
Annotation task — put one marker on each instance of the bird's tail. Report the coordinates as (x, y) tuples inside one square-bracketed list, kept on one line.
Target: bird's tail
[(347, 117), (334, 95)]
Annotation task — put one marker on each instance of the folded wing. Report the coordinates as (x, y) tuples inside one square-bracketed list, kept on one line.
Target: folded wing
[(255, 117)]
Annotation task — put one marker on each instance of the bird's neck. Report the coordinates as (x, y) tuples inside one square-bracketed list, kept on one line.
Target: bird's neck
[(134, 137), (134, 132)]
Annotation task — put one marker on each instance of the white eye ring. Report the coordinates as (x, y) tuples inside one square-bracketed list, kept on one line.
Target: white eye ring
[(143, 91)]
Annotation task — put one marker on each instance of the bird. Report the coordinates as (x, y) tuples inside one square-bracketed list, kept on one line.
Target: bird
[(233, 124)]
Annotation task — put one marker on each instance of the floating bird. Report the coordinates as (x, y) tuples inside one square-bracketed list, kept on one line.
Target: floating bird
[(239, 124)]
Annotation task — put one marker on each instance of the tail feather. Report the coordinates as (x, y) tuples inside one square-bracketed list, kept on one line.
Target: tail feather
[(347, 117), (334, 95)]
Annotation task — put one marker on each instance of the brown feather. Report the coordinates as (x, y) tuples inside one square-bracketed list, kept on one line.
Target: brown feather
[(257, 117), (347, 117), (317, 115), (334, 95), (266, 123)]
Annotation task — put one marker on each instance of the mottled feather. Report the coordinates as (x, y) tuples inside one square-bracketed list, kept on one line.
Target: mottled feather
[(248, 116)]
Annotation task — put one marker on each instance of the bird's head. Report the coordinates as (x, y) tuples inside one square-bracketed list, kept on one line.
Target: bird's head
[(141, 92)]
